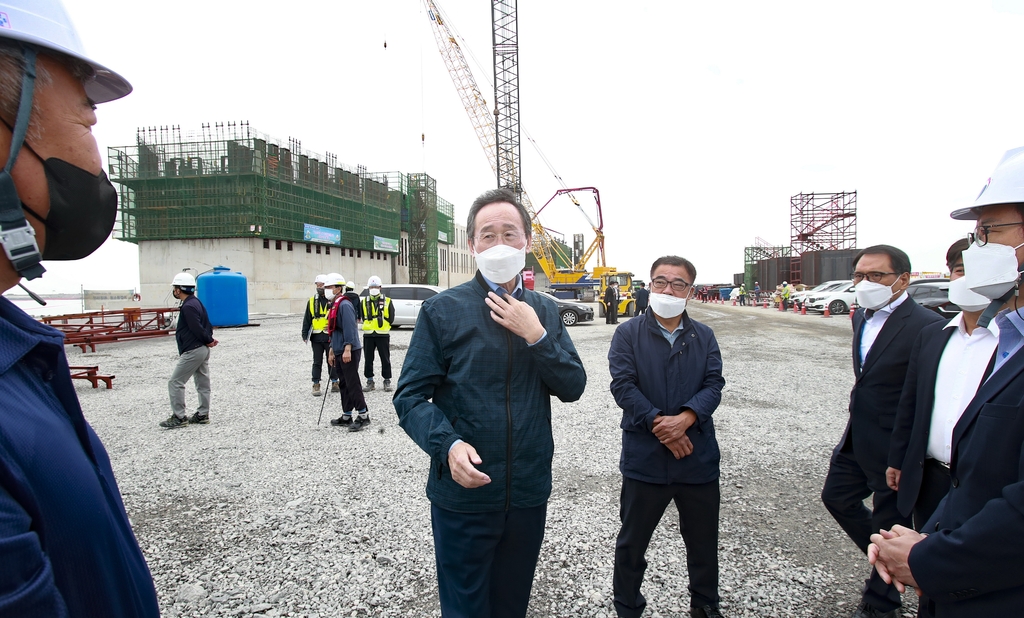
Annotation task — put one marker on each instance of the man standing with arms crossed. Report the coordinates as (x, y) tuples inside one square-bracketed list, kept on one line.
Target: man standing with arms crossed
[(475, 394), (667, 378)]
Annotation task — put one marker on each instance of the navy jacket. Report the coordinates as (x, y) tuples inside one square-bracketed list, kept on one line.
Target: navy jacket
[(649, 378), (910, 431), (972, 562), (66, 548), (194, 329), (467, 377), (879, 383), (344, 330)]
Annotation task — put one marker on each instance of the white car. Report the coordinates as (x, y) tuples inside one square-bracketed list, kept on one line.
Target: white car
[(407, 298), (838, 301), (820, 289)]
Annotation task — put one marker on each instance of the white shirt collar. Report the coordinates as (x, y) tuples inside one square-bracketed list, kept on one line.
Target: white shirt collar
[(958, 323)]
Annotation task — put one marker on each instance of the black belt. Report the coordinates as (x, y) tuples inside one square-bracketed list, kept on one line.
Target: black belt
[(935, 463)]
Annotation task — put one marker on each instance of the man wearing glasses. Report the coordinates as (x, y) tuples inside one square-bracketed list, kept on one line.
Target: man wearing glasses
[(885, 326), (475, 394), (667, 377), (969, 563)]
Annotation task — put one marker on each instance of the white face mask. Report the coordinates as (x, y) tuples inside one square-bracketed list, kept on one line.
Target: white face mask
[(964, 298), (329, 292), (667, 306), (991, 270), (501, 263), (872, 295), (374, 291)]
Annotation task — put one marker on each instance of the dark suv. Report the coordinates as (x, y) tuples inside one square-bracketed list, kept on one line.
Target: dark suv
[(933, 294)]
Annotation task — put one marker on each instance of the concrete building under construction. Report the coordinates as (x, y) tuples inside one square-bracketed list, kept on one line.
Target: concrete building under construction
[(278, 214)]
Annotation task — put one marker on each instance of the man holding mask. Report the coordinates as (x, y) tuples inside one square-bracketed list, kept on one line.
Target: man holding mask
[(475, 394), (667, 378), (66, 545), (969, 564)]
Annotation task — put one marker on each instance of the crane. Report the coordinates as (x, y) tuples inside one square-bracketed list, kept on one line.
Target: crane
[(498, 132)]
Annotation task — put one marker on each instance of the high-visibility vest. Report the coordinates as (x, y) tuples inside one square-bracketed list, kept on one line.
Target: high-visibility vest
[(319, 315), (374, 312)]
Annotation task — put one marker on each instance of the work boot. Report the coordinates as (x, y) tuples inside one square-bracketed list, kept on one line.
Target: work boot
[(316, 389), (369, 386), (387, 386), (174, 422), (335, 387), (361, 421), (195, 419), (341, 421)]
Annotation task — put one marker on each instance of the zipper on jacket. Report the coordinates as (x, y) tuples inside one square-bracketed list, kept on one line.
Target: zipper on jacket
[(508, 418)]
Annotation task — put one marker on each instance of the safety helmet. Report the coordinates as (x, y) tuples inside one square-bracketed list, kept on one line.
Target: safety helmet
[(351, 285), (184, 280), (334, 279), (46, 25), (374, 282), (785, 283), (320, 279), (1005, 186)]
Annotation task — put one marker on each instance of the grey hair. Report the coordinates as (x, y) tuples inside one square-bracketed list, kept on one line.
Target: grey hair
[(12, 67), (495, 196)]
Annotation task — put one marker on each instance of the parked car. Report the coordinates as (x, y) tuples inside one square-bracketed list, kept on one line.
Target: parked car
[(933, 294), (572, 312), (821, 288), (838, 301), (407, 298)]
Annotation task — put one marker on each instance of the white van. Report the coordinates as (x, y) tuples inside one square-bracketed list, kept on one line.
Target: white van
[(407, 298)]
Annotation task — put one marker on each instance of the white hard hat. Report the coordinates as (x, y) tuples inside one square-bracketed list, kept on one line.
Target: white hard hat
[(333, 279), (785, 283), (45, 24), (1005, 186), (320, 279), (374, 282), (184, 280)]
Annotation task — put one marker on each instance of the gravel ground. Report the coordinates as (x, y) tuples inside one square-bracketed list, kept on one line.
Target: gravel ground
[(265, 513)]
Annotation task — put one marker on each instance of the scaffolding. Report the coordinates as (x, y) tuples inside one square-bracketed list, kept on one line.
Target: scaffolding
[(230, 181), (821, 222), (761, 250)]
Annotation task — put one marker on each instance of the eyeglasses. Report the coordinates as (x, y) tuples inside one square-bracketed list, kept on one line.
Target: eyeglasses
[(980, 234), (678, 285), (509, 238), (872, 277)]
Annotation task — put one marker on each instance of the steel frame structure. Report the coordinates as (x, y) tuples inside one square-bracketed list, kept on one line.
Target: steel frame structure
[(760, 250), (821, 222), (506, 93)]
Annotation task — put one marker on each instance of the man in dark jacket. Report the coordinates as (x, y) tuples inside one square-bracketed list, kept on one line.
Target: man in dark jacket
[(641, 299), (611, 303), (346, 349), (475, 394), (66, 545), (195, 338), (667, 378), (314, 332), (885, 326)]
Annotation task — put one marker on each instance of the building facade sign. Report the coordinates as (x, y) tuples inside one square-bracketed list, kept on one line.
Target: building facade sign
[(323, 235), (385, 244)]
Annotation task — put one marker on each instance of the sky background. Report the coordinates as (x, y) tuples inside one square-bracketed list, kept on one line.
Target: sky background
[(696, 120)]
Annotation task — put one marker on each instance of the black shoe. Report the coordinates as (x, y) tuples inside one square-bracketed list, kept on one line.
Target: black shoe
[(195, 419), (705, 612), (174, 422), (387, 386), (866, 611), (359, 423), (341, 421)]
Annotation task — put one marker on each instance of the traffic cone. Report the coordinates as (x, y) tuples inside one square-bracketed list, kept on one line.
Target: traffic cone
[(733, 301), (766, 304), (803, 309), (853, 309), (826, 314), (795, 309)]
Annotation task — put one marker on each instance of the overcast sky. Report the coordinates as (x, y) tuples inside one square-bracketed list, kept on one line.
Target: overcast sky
[(696, 120)]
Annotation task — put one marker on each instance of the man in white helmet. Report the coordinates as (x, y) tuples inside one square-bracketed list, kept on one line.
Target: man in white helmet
[(66, 545), (314, 332), (378, 313), (195, 338), (967, 558), (344, 354)]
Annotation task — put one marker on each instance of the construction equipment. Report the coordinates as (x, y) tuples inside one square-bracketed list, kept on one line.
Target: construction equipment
[(498, 133)]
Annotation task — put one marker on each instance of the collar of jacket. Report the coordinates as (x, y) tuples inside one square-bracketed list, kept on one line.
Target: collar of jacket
[(483, 288), (654, 326)]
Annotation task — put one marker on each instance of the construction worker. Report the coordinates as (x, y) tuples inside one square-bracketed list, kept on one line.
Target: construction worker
[(344, 354), (742, 293), (785, 292), (377, 312), (314, 332), (66, 545), (195, 338)]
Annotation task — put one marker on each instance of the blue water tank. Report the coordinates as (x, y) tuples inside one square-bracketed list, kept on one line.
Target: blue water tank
[(225, 296)]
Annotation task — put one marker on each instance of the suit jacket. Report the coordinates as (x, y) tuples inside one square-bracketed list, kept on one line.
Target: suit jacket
[(878, 383), (914, 415), (971, 563)]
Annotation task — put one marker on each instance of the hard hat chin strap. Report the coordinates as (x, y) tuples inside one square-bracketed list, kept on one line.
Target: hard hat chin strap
[(997, 303), (16, 235)]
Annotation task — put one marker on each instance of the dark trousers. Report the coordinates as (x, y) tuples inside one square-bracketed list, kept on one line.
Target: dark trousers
[(320, 349), (381, 343), (641, 506), (486, 561), (611, 313), (934, 487), (351, 388), (846, 487)]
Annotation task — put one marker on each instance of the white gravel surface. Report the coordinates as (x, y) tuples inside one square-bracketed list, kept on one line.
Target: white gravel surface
[(264, 513)]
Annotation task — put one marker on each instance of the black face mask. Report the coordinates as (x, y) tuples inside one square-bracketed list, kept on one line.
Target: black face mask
[(83, 208)]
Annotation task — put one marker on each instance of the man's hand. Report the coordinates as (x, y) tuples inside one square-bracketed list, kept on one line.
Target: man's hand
[(889, 552), (516, 316), (346, 356), (892, 478), (671, 428), (330, 357), (461, 460), (680, 448), (212, 344)]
